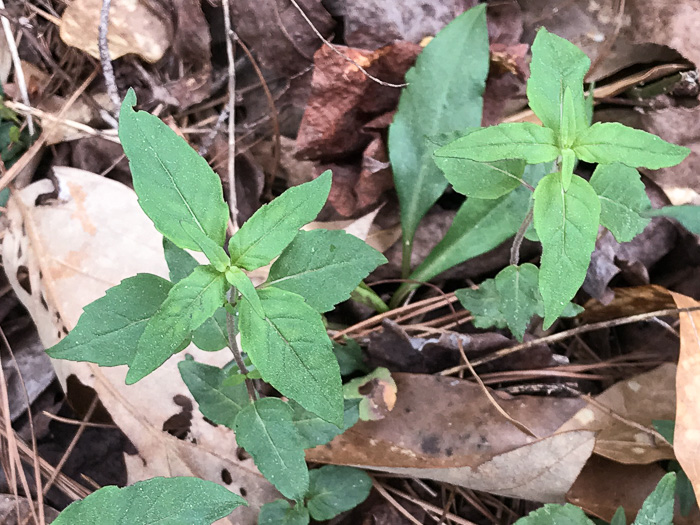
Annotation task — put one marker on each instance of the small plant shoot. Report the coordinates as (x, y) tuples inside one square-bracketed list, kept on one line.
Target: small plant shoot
[(146, 319), (566, 209)]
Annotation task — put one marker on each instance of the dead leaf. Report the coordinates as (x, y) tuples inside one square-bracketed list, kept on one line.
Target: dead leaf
[(74, 248), (686, 441), (646, 27), (134, 27), (628, 301), (16, 511), (372, 24), (278, 35), (446, 429), (604, 485), (377, 392), (343, 99), (637, 401)]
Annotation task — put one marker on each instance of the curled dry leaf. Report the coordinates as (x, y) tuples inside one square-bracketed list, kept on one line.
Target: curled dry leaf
[(73, 248), (686, 441), (620, 415), (134, 27), (446, 429)]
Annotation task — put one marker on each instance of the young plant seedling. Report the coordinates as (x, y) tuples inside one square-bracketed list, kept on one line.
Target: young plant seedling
[(146, 319), (566, 209)]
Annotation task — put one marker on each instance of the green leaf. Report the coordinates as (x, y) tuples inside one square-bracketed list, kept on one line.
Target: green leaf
[(274, 226), (280, 512), (484, 304), (162, 501), (214, 252), (444, 94), (217, 402), (109, 329), (212, 336), (619, 518), (568, 129), (482, 180), (479, 226), (622, 198), (567, 225), (174, 184), (519, 296), (334, 489), (686, 493), (314, 431), (512, 140), (292, 351), (552, 514), (657, 509), (378, 384), (688, 215), (568, 161), (323, 266), (180, 263), (610, 142), (266, 431), (349, 356), (190, 302), (238, 279), (557, 65)]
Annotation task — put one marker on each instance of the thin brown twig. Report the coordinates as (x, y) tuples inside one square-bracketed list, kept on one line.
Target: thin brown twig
[(274, 115), (517, 424), (105, 59), (519, 237), (340, 53), (230, 39), (383, 491), (71, 445), (17, 63), (570, 333), (427, 506), (77, 422)]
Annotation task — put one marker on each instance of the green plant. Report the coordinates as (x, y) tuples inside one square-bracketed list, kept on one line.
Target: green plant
[(566, 209), (146, 319), (657, 509)]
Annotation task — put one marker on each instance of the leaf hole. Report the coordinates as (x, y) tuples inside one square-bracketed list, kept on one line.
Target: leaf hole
[(23, 279), (226, 476)]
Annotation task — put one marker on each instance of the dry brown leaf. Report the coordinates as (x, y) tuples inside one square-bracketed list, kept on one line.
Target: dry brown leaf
[(74, 248), (446, 429), (343, 99), (604, 485), (620, 415), (686, 440), (17, 511), (277, 33), (628, 301), (134, 27)]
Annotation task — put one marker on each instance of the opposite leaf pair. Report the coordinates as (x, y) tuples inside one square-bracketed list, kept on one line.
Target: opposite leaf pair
[(145, 320), (488, 163)]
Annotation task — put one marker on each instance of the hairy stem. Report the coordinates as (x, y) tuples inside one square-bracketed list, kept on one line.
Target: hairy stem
[(518, 240), (232, 330)]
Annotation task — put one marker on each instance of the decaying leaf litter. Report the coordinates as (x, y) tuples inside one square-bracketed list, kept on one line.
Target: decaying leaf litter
[(555, 421)]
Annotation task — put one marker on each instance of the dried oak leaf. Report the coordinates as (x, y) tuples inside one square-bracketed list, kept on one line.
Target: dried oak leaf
[(343, 99)]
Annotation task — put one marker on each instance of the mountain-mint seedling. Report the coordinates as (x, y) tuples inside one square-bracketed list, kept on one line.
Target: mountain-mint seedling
[(146, 319)]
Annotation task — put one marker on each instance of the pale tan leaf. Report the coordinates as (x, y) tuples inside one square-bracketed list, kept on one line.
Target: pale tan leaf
[(73, 248), (134, 27), (686, 440), (622, 417), (446, 429)]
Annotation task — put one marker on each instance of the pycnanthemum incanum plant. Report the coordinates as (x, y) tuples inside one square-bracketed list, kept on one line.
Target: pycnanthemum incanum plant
[(566, 209), (146, 319)]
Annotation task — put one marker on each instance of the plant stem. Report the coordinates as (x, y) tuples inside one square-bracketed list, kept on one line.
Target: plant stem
[(406, 258), (518, 240), (232, 333)]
